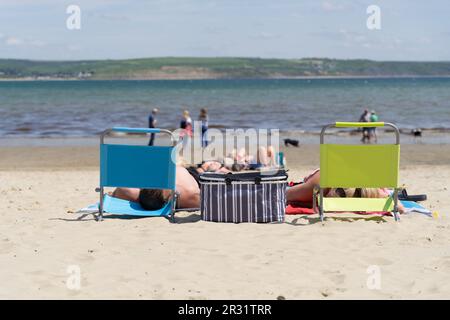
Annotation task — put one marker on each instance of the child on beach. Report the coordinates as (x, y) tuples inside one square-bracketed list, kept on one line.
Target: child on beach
[(186, 123)]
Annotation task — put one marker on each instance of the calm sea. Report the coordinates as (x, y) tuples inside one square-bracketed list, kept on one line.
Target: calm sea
[(84, 108)]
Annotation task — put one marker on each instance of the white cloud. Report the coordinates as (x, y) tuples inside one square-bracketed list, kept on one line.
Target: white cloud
[(265, 35), (425, 40), (14, 41), (111, 17), (37, 43), (341, 35), (73, 48), (331, 6)]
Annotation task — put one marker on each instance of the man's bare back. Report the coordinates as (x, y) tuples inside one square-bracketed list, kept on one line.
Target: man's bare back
[(186, 186)]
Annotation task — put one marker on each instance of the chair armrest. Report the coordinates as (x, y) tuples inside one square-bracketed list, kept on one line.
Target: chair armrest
[(135, 130), (358, 124)]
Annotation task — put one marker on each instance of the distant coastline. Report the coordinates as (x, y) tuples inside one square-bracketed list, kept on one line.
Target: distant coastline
[(217, 68), (343, 77)]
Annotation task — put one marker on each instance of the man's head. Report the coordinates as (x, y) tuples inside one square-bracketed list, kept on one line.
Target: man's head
[(153, 199), (155, 110)]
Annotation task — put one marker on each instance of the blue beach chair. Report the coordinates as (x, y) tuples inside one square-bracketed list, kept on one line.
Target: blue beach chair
[(136, 166)]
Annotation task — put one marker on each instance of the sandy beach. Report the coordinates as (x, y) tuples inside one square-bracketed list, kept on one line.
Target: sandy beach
[(42, 187), (253, 85)]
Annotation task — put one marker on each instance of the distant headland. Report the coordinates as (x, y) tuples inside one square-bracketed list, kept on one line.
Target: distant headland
[(169, 68)]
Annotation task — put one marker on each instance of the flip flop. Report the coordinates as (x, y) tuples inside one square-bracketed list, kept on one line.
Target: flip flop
[(403, 195)]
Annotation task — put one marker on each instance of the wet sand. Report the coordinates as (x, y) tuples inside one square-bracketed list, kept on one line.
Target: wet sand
[(86, 157)]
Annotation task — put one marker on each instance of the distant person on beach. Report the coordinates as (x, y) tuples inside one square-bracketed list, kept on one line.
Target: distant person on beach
[(373, 131), (152, 124), (204, 119), (365, 117), (186, 126), (303, 193)]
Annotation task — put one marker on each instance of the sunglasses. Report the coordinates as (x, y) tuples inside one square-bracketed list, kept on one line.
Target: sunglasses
[(341, 193)]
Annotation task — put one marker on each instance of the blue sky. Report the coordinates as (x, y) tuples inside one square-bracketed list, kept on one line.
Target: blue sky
[(113, 29)]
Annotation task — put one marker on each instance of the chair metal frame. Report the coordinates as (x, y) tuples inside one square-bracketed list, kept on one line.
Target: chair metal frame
[(318, 193), (173, 197)]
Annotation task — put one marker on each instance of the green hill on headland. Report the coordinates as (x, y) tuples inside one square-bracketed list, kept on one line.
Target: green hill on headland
[(215, 68)]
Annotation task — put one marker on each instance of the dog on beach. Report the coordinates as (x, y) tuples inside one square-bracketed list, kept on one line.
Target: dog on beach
[(416, 132), (291, 142)]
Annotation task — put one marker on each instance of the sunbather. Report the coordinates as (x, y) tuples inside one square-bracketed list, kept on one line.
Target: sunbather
[(187, 186), (211, 166), (303, 193), (152, 199), (240, 160)]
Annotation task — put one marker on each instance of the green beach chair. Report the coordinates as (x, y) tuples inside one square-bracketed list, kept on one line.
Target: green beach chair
[(358, 166)]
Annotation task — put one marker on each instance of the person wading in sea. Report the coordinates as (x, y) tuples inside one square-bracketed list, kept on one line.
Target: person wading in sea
[(373, 131), (365, 117)]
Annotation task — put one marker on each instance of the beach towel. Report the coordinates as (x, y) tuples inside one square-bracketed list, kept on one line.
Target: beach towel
[(295, 209), (118, 206), (134, 209), (410, 207)]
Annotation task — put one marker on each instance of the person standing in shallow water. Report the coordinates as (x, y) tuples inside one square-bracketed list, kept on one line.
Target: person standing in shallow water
[(365, 117), (373, 131), (152, 124), (204, 119)]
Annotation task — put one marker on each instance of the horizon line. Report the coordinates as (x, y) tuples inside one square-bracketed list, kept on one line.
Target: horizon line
[(222, 57)]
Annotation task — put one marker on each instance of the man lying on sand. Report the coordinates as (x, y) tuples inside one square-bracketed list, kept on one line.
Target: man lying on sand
[(186, 184), (303, 193)]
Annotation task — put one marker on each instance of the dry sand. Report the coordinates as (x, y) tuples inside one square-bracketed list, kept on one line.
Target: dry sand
[(40, 239)]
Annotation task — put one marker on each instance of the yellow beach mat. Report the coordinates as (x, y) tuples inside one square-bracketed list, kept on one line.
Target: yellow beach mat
[(358, 204)]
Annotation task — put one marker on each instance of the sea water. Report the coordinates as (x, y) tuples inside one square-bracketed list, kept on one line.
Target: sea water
[(85, 108)]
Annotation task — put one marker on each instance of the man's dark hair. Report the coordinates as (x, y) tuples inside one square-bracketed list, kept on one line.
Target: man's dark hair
[(151, 199), (237, 167)]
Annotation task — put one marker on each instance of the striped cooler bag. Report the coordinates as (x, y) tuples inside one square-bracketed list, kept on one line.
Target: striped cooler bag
[(243, 197)]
